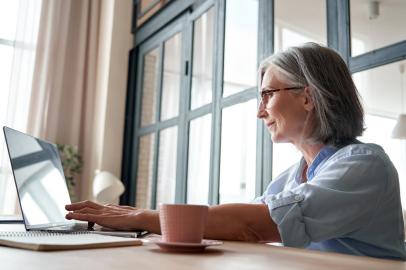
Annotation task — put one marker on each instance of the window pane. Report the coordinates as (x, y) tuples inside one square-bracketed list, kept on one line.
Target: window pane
[(382, 110), (171, 77), (202, 60), (167, 165), (149, 86), (8, 18), (238, 153), (6, 56), (284, 155), (240, 52), (293, 28), (382, 89), (145, 171), (375, 24), (199, 160)]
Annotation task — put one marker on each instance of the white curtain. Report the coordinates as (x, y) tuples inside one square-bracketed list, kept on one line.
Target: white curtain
[(15, 98), (66, 85), (72, 77), (76, 83)]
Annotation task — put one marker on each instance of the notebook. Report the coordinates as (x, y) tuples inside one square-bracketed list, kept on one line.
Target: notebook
[(41, 186), (47, 241)]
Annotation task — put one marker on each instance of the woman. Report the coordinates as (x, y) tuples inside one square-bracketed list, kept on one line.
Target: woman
[(342, 196)]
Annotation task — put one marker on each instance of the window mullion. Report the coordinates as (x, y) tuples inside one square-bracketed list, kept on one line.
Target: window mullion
[(343, 19), (183, 129), (265, 49), (158, 94), (216, 105), (7, 42)]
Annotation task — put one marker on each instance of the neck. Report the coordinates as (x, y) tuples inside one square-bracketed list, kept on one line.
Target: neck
[(310, 151)]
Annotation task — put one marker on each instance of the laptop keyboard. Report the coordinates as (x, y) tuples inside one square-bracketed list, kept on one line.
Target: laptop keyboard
[(76, 227)]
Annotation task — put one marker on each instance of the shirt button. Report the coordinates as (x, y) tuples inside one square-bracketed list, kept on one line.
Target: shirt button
[(298, 197)]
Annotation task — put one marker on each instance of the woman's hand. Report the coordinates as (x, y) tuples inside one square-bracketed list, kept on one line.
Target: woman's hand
[(114, 216), (244, 222)]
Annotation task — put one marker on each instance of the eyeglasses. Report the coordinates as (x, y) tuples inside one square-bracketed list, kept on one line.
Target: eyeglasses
[(266, 94)]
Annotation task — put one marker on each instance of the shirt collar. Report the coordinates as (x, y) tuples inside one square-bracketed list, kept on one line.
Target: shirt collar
[(325, 153)]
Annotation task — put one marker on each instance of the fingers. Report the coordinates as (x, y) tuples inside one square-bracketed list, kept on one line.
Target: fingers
[(103, 212), (112, 216), (88, 210), (83, 204), (85, 214), (83, 217), (111, 221)]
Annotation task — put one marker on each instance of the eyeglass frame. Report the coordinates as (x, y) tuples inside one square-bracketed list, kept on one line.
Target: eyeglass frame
[(268, 92)]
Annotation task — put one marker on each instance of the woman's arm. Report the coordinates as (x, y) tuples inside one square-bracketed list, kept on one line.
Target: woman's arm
[(243, 222)]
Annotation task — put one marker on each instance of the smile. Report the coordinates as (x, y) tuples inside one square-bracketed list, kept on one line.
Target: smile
[(269, 124)]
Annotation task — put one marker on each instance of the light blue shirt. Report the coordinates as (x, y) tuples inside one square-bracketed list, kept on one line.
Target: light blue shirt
[(349, 204)]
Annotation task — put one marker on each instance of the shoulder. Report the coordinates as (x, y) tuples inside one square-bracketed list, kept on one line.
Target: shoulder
[(363, 151), (363, 159), (358, 167)]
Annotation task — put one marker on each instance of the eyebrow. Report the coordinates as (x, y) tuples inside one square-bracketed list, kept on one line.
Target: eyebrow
[(267, 88)]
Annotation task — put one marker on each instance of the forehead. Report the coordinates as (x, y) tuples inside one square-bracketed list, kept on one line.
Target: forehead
[(271, 78)]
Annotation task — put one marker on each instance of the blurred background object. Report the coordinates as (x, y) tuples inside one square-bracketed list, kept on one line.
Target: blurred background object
[(107, 188)]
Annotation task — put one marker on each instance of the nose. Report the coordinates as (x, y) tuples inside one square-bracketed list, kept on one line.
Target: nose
[(262, 113)]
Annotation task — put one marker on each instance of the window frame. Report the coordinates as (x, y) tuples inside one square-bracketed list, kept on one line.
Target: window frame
[(338, 38)]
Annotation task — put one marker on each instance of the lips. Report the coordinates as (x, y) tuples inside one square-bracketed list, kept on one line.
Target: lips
[(269, 124)]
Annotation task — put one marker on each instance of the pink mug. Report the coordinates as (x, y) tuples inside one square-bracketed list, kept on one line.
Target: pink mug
[(183, 223)]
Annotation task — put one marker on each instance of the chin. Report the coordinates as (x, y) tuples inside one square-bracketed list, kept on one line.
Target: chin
[(277, 138)]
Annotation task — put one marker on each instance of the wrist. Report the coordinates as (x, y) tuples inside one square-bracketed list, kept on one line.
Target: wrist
[(149, 221)]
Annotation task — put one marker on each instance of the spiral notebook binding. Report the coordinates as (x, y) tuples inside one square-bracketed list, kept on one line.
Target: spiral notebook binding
[(39, 233)]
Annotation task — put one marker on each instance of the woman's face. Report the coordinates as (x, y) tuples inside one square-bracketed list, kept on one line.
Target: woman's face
[(285, 111)]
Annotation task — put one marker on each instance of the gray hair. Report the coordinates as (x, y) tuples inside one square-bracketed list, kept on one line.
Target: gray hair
[(338, 117)]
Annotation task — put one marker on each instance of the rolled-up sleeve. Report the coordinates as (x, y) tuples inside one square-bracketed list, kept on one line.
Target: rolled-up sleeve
[(337, 201)]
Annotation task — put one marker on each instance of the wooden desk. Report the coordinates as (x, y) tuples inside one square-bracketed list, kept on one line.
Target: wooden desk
[(230, 256)]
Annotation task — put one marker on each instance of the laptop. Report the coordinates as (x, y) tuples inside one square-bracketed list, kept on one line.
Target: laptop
[(41, 185)]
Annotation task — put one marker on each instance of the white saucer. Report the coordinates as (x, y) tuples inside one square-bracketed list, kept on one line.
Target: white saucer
[(187, 247)]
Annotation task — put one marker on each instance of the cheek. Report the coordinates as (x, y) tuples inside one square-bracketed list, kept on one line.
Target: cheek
[(277, 110), (295, 121), (288, 120), (274, 107)]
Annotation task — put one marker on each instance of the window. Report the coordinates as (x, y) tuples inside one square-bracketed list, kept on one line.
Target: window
[(215, 149), (202, 77), (8, 23), (238, 150), (160, 82), (375, 24), (198, 164), (185, 109), (19, 21), (241, 36), (199, 160)]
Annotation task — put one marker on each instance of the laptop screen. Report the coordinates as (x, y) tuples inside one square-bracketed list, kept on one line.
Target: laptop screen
[(39, 179)]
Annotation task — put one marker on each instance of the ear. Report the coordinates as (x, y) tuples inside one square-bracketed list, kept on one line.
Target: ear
[(308, 99)]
